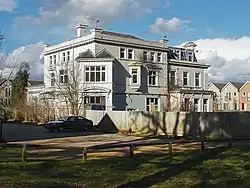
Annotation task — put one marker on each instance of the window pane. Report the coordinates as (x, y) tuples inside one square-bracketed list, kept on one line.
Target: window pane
[(98, 100), (66, 79), (98, 68), (61, 79), (92, 76), (122, 53), (134, 79), (98, 76), (103, 68), (103, 76), (87, 68), (87, 76), (134, 71), (92, 68), (92, 99)]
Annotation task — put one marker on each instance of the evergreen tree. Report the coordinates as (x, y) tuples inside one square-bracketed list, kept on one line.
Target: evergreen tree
[(18, 85)]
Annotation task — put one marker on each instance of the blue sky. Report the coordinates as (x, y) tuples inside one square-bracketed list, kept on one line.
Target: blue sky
[(219, 27), (208, 19)]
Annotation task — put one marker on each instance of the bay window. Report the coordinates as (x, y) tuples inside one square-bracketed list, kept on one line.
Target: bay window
[(95, 74)]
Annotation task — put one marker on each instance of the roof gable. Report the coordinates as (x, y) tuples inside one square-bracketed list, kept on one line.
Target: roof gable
[(245, 84), (218, 85), (105, 54), (86, 54), (236, 85)]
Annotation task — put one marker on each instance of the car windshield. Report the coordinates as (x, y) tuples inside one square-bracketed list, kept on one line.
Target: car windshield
[(61, 119)]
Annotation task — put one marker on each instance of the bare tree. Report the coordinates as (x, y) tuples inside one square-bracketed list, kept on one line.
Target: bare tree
[(67, 79)]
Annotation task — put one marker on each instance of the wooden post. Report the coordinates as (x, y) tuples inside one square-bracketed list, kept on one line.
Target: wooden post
[(202, 146), (84, 155), (24, 153), (131, 150), (170, 149), (230, 143)]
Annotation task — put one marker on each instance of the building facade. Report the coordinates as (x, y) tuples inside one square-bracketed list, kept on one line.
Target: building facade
[(123, 72), (244, 94), (216, 88), (231, 96)]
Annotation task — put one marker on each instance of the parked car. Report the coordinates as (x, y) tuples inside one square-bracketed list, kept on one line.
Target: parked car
[(78, 123)]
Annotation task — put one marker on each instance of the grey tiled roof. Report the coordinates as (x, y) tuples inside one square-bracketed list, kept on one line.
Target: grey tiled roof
[(238, 85), (121, 35), (219, 85)]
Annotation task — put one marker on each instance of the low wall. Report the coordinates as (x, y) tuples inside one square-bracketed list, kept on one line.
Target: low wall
[(194, 124)]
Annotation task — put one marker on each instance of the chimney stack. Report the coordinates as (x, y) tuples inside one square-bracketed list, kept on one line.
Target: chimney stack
[(81, 30)]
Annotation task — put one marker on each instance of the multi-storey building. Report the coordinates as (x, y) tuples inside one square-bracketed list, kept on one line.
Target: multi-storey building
[(124, 72)]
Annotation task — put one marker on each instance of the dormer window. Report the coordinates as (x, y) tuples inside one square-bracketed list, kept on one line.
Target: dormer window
[(190, 56), (178, 54)]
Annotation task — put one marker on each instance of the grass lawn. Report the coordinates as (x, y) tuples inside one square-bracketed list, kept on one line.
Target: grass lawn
[(214, 168)]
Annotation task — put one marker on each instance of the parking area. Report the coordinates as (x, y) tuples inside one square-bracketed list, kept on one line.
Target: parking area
[(30, 134)]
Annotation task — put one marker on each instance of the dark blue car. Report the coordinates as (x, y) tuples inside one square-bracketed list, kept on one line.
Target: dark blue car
[(77, 123)]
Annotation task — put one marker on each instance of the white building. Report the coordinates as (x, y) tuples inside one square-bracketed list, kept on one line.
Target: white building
[(124, 72)]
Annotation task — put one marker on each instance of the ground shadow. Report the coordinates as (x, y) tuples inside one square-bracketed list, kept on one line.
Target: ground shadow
[(175, 170)]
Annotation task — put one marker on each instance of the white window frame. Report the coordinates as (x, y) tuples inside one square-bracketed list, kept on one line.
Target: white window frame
[(63, 77), (88, 72), (123, 53), (190, 54), (54, 59), (68, 56), (131, 54), (199, 79), (156, 77), (178, 53), (138, 75), (52, 79), (159, 57), (63, 57), (148, 105), (152, 56), (143, 55), (184, 78), (170, 76), (51, 60)]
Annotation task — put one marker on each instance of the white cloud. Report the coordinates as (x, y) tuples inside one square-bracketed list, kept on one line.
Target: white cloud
[(63, 15), (229, 58), (165, 26), (30, 54), (7, 5)]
